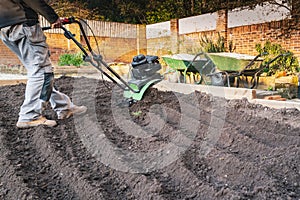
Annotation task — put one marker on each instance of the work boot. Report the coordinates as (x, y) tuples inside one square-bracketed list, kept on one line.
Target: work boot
[(76, 110), (40, 121)]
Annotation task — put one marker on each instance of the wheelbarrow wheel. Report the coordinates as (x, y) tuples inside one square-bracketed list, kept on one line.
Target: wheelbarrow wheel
[(250, 84), (254, 82), (231, 80), (198, 78)]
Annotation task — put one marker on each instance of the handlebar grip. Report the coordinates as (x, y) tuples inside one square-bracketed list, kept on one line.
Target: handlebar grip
[(64, 21), (69, 20)]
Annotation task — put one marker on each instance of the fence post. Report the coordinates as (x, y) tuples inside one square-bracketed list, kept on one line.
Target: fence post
[(174, 27), (222, 24), (141, 42)]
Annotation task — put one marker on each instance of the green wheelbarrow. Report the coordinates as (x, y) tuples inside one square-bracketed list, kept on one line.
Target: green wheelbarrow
[(199, 64)]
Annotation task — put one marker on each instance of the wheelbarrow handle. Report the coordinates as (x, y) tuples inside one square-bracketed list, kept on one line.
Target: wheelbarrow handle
[(254, 60), (276, 57)]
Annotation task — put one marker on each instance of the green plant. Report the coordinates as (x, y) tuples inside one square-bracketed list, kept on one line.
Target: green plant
[(71, 59), (270, 88), (210, 46), (231, 46), (136, 114), (287, 63)]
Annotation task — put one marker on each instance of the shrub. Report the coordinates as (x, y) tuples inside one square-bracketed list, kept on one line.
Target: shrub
[(210, 46), (288, 63), (71, 59)]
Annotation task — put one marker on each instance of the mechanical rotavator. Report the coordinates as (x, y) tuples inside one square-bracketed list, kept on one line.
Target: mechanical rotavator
[(143, 72)]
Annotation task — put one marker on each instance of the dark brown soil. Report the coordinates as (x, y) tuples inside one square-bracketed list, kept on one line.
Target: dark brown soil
[(167, 146)]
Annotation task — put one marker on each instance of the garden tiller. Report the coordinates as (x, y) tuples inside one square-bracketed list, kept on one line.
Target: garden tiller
[(143, 71)]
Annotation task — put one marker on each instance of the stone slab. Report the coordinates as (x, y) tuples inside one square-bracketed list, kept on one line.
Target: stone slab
[(277, 104), (228, 93)]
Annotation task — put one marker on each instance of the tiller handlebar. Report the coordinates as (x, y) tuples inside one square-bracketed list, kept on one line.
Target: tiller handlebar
[(90, 56)]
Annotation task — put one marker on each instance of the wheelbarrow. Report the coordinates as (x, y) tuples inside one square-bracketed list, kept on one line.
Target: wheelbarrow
[(244, 68), (198, 64), (232, 65)]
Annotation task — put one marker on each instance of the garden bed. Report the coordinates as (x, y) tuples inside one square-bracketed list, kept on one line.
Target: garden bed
[(229, 149)]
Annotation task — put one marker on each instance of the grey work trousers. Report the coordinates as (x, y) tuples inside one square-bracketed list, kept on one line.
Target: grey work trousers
[(29, 44)]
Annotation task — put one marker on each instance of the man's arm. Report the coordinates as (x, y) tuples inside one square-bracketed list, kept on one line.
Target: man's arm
[(42, 8)]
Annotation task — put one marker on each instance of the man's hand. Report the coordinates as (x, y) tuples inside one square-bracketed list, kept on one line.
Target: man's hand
[(57, 24)]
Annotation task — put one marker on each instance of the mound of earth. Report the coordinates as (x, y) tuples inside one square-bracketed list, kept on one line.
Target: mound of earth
[(167, 146)]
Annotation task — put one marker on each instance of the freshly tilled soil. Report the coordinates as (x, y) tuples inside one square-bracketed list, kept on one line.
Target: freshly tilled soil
[(166, 146)]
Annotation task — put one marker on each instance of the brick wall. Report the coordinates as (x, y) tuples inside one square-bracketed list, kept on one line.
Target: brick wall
[(7, 57), (123, 49), (159, 46), (245, 38), (111, 48)]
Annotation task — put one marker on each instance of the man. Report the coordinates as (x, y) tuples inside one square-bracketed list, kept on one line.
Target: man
[(21, 32)]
